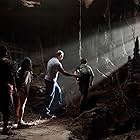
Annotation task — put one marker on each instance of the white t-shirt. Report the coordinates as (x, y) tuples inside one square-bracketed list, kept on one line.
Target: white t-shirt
[(53, 68)]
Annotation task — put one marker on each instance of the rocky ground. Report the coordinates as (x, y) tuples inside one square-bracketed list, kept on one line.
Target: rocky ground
[(55, 129), (66, 127), (113, 118)]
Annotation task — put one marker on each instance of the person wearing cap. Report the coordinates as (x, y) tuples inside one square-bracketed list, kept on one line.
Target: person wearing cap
[(53, 90), (7, 88), (85, 80)]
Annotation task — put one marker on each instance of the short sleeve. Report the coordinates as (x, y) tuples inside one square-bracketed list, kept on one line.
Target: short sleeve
[(59, 66)]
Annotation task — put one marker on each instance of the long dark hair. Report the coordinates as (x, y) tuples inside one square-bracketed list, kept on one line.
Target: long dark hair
[(26, 64)]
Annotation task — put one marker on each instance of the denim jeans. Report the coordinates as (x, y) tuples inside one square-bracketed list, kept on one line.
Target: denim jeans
[(53, 101)]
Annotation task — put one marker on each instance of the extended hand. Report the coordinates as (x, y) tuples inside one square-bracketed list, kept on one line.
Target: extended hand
[(76, 76)]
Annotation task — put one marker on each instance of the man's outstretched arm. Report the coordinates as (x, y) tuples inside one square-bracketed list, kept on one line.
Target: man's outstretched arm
[(61, 70)]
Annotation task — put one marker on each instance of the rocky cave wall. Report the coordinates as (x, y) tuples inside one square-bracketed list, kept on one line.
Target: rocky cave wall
[(40, 32)]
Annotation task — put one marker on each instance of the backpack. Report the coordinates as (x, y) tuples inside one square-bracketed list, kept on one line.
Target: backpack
[(84, 72)]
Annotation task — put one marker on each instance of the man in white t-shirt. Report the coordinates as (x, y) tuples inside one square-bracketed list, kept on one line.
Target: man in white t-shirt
[(53, 91)]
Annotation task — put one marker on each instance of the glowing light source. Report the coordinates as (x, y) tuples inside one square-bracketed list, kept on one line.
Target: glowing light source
[(30, 3), (88, 3)]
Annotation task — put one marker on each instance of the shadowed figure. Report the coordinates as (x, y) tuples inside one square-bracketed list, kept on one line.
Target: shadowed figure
[(7, 88), (86, 77)]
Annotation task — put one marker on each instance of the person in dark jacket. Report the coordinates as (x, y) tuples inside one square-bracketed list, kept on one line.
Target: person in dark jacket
[(86, 77), (7, 88)]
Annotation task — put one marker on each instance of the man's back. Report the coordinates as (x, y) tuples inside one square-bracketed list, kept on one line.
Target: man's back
[(52, 69)]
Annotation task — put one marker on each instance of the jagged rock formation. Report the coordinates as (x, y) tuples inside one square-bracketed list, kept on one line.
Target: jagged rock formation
[(133, 83), (119, 107)]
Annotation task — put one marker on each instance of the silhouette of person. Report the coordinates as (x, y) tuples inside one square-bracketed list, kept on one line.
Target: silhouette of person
[(7, 88), (23, 86), (86, 77)]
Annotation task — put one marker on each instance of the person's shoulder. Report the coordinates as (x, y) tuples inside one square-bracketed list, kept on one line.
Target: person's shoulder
[(89, 66), (27, 72), (56, 61), (90, 69), (53, 59), (6, 61), (50, 59)]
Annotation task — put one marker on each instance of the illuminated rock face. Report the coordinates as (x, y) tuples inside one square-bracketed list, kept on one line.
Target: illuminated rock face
[(57, 27)]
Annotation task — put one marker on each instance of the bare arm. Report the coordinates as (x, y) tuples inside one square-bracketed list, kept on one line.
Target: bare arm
[(91, 76), (61, 70), (26, 77)]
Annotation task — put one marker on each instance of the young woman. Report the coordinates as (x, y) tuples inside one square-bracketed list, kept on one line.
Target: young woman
[(23, 86)]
